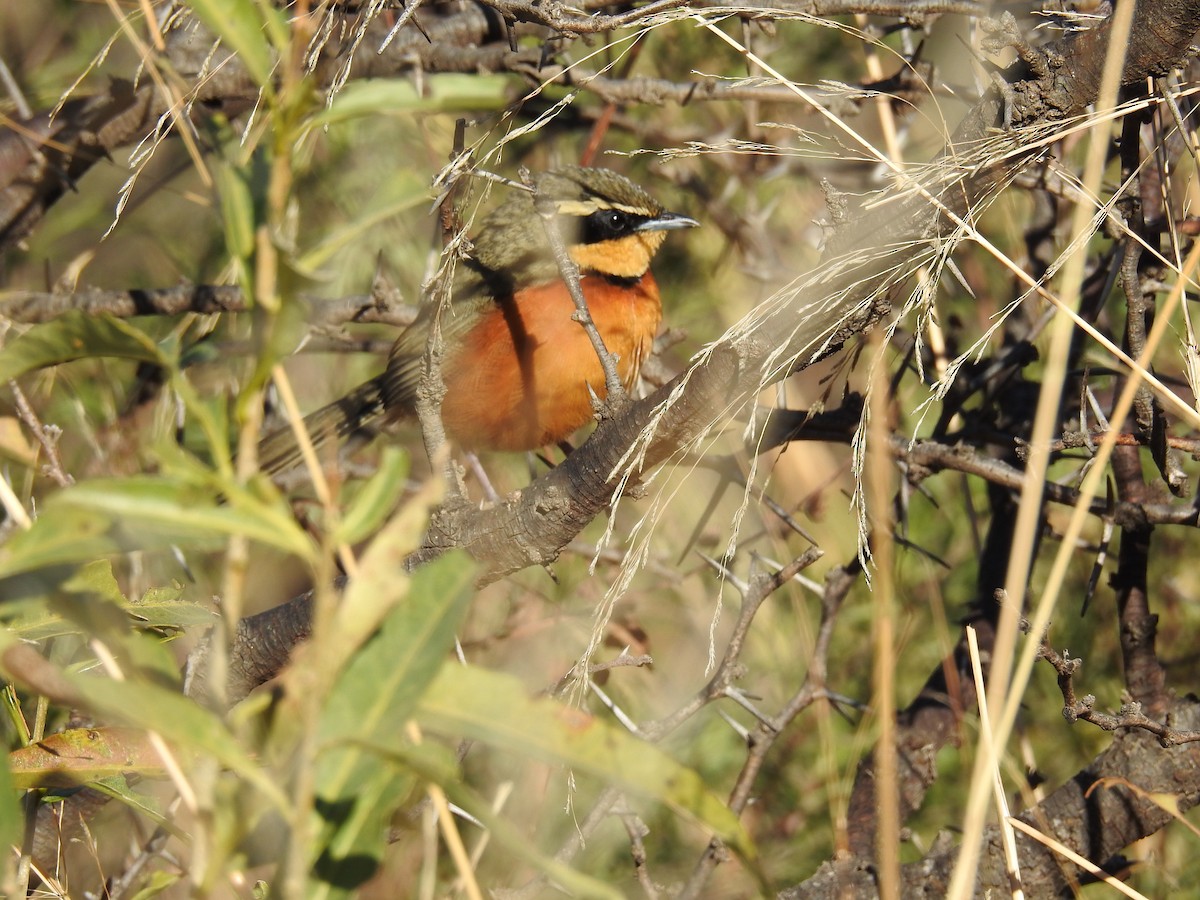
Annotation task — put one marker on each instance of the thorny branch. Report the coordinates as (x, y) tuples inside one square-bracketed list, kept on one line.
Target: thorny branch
[(762, 737), (1129, 715), (921, 458)]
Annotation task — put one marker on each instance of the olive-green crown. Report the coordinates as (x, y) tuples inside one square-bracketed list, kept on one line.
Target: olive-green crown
[(512, 238)]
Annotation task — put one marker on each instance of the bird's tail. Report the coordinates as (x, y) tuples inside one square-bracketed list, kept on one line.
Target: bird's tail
[(279, 451)]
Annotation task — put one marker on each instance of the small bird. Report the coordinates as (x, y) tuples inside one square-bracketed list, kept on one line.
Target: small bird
[(517, 367)]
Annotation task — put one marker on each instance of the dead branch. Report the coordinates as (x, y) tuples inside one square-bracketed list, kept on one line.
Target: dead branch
[(36, 307)]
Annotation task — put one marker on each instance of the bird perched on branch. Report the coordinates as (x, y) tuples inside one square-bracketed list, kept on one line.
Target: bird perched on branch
[(519, 370)]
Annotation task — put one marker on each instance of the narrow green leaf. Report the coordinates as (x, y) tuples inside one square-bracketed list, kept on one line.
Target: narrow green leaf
[(60, 536), (96, 578), (394, 96), (11, 824), (176, 614), (237, 210), (178, 719), (156, 884), (357, 829), (381, 582), (146, 512), (158, 511), (369, 705), (383, 682), (376, 500), (77, 336), (78, 756), (33, 619), (495, 708), (118, 789), (241, 26)]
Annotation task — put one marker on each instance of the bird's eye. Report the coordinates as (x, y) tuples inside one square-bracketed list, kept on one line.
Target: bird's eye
[(607, 224)]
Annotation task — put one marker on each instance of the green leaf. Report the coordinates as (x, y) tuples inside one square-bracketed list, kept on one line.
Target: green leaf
[(75, 335), (181, 721), (118, 789), (495, 708), (35, 620), (156, 884), (381, 582), (237, 210), (376, 499), (144, 512), (31, 619), (79, 756), (241, 26), (395, 96), (11, 823), (96, 578), (207, 415), (60, 535), (369, 705), (165, 607), (383, 682), (163, 511), (172, 614), (93, 600), (356, 830), (178, 719)]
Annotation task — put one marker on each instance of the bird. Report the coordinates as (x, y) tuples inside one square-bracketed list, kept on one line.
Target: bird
[(519, 370)]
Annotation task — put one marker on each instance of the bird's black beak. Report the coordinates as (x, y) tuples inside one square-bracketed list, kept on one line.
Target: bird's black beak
[(667, 221)]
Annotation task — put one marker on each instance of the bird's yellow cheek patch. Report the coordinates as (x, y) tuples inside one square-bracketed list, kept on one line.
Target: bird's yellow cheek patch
[(627, 257)]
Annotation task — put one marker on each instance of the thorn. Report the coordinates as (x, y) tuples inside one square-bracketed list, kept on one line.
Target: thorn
[(618, 713), (740, 586), (742, 731)]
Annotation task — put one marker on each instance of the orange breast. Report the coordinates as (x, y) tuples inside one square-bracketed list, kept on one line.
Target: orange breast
[(519, 380)]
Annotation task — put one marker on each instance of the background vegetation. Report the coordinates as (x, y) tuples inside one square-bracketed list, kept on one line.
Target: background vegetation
[(748, 673)]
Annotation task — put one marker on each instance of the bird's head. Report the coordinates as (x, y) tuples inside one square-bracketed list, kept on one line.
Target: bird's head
[(609, 225)]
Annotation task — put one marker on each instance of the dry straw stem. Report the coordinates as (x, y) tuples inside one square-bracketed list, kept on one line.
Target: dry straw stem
[(880, 488), (1044, 426), (993, 753), (1067, 853), (446, 823), (313, 465), (1087, 491), (12, 504)]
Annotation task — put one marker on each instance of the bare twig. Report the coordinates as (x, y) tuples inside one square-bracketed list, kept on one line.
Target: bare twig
[(32, 307), (47, 436), (764, 735), (1129, 715)]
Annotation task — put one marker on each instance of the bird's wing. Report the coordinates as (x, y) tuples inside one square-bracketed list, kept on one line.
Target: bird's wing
[(474, 291)]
